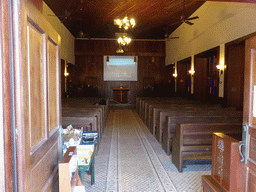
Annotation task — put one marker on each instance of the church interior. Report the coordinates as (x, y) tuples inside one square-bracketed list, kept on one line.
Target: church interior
[(128, 95)]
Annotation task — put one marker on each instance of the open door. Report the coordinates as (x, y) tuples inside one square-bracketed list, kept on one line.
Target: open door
[(249, 173), (36, 98)]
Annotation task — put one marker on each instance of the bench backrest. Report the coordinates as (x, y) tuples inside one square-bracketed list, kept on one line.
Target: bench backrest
[(201, 134)]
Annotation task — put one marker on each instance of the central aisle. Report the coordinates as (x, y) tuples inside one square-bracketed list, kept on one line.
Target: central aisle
[(130, 159)]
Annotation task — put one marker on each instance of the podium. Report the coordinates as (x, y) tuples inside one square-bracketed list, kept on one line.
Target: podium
[(121, 95), (226, 166)]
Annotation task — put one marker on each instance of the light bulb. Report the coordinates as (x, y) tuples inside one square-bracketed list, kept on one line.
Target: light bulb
[(118, 21), (132, 21), (120, 40), (125, 20)]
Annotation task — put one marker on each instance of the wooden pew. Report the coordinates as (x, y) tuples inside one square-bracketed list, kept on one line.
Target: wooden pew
[(188, 109), (167, 101), (199, 110), (87, 103), (155, 109), (85, 112), (80, 122), (164, 104), (169, 131), (144, 102), (196, 139)]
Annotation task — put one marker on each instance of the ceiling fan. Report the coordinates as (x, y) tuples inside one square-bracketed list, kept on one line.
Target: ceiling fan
[(166, 36), (184, 19), (67, 16)]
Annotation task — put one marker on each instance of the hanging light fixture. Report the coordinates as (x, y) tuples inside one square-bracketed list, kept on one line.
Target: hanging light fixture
[(123, 40), (125, 23)]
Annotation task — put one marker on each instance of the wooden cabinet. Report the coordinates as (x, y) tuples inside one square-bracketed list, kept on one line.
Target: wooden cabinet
[(120, 95)]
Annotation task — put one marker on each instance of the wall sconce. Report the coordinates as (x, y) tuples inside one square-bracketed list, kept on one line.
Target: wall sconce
[(221, 67), (153, 59), (66, 74), (174, 74), (192, 72)]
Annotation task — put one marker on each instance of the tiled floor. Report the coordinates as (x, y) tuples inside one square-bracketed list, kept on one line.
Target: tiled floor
[(130, 159)]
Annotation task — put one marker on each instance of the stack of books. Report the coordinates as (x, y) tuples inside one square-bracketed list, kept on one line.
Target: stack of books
[(89, 138)]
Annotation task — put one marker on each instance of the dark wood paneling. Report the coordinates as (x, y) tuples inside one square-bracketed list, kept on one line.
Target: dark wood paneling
[(234, 75), (89, 64), (206, 76), (200, 78), (183, 79), (109, 47), (95, 18), (62, 77)]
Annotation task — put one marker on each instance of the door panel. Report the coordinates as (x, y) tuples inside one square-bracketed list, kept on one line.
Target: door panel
[(182, 78), (53, 84), (39, 102), (43, 170), (249, 117), (36, 79)]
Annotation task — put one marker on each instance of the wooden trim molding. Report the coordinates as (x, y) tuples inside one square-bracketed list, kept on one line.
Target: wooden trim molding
[(145, 54)]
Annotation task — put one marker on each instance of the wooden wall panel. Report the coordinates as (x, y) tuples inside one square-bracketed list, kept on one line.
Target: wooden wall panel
[(234, 75), (44, 168), (182, 78), (109, 47), (53, 84), (37, 67), (200, 78), (89, 64), (62, 76), (206, 76)]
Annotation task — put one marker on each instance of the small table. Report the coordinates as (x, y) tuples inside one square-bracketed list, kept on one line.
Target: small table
[(121, 95), (86, 168)]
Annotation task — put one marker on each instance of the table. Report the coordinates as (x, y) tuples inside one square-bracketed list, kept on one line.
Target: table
[(86, 168)]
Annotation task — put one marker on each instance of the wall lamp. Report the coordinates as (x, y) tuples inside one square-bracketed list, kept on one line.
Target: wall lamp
[(66, 74), (221, 67), (174, 74), (192, 72)]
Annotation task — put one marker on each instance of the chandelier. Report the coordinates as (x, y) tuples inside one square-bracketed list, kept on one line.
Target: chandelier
[(123, 39), (125, 23)]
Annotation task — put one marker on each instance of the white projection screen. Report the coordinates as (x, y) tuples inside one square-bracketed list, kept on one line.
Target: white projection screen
[(120, 68)]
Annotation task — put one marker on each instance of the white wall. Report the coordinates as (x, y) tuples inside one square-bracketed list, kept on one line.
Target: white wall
[(67, 39), (218, 23)]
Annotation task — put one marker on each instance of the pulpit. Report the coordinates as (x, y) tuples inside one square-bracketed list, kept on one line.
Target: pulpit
[(120, 95)]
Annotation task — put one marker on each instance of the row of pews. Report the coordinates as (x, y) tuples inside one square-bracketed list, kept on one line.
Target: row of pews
[(89, 113), (184, 127)]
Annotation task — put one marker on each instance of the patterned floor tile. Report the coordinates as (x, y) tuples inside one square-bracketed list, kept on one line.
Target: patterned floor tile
[(130, 159)]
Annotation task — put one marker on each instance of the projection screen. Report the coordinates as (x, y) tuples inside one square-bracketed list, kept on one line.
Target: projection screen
[(120, 68)]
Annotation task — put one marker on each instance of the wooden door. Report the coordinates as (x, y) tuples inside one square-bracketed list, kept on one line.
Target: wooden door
[(182, 78), (234, 75), (249, 173), (6, 149), (200, 78), (37, 100)]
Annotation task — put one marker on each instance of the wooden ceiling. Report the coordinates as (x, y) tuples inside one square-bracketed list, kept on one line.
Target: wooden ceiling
[(95, 17)]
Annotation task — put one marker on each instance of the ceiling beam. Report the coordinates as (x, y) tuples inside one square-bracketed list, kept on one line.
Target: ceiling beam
[(237, 1)]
